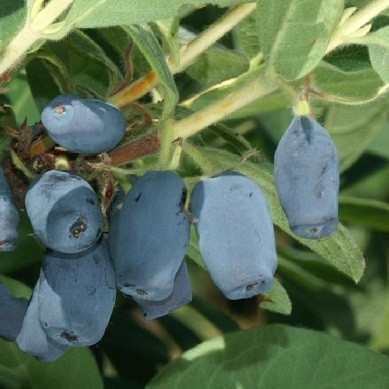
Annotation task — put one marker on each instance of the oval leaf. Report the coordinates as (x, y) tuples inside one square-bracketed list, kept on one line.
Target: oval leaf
[(276, 356), (294, 35)]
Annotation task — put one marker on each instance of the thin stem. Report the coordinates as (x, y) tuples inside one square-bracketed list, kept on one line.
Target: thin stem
[(194, 123), (199, 158), (355, 22), (189, 53)]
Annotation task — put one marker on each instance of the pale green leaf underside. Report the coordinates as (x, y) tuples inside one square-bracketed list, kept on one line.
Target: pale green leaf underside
[(294, 35), (339, 249), (379, 52), (276, 356)]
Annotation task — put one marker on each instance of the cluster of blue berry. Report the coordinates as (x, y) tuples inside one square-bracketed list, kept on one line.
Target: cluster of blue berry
[(149, 230)]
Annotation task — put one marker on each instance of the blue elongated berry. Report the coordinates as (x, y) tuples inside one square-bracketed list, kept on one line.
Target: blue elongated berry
[(236, 235), (32, 339), (306, 172), (149, 236), (77, 295), (12, 311), (9, 217), (64, 211), (181, 295), (88, 126)]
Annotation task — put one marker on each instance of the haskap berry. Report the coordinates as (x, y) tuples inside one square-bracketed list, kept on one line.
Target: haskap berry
[(149, 236), (32, 339), (9, 217), (64, 211), (80, 125), (236, 234), (12, 312), (181, 295), (77, 295), (306, 172)]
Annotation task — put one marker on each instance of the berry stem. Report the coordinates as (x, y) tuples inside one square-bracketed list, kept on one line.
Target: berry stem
[(355, 22), (188, 54)]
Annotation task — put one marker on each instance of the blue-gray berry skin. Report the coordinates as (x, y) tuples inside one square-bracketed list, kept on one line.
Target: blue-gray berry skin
[(236, 234), (64, 211), (9, 217), (181, 295), (306, 172), (149, 236), (77, 295), (32, 339), (87, 126), (12, 311)]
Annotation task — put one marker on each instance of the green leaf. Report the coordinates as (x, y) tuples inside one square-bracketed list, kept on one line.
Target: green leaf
[(356, 86), (315, 268), (277, 300), (380, 338), (17, 288), (339, 248), (248, 36), (276, 356), (149, 46), (380, 144), (353, 128), (216, 65), (295, 34), (28, 252), (128, 12), (12, 15), (42, 84), (193, 249), (77, 368), (378, 43), (22, 101), (369, 213), (91, 72)]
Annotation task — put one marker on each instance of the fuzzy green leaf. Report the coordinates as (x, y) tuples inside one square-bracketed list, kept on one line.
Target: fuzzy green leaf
[(276, 356), (277, 300), (128, 12), (378, 43), (294, 35), (216, 65)]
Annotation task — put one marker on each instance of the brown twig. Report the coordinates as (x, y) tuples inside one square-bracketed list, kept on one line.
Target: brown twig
[(134, 150)]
